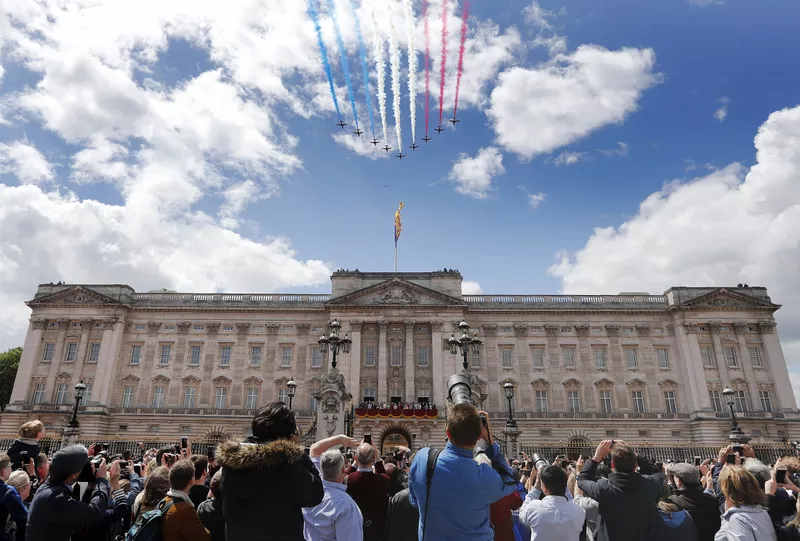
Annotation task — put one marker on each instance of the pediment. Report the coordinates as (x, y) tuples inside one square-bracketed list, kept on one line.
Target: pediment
[(540, 383), (572, 382), (396, 292), (160, 379), (725, 299), (77, 295), (604, 382), (636, 382), (130, 378), (191, 379), (253, 380), (221, 380)]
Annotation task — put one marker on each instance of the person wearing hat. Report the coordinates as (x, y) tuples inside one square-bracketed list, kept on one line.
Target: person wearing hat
[(54, 513), (689, 496)]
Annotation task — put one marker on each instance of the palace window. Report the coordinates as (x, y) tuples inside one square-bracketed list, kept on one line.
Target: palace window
[(637, 398), (139, 327), (396, 395), (716, 401), (198, 327), (600, 357), (255, 355), (755, 356), (251, 402), (47, 354), (766, 401), (225, 355), (731, 357), (286, 356), (316, 357), (61, 394), (227, 327), (189, 397), (670, 403), (707, 353), (476, 359), (38, 393), (194, 356), (506, 355), (422, 356), (87, 395), (94, 352), (158, 397), (663, 358), (605, 402), (423, 396), (574, 401), (283, 396), (136, 352), (569, 357), (369, 394), (541, 401), (537, 355), (72, 352), (627, 330), (566, 329), (221, 399), (740, 401), (127, 396), (166, 349), (369, 356), (630, 356), (396, 353)]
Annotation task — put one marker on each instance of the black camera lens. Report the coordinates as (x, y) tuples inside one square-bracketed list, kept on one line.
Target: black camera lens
[(458, 390)]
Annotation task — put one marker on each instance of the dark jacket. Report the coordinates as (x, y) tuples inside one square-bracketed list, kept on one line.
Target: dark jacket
[(701, 507), (198, 494), (113, 523), (22, 444), (264, 486), (402, 519), (11, 507), (210, 514), (54, 513), (627, 501), (370, 491), (788, 533), (680, 526)]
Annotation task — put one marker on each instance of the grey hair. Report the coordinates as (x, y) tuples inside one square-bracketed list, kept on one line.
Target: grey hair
[(331, 463), (760, 471), (365, 455)]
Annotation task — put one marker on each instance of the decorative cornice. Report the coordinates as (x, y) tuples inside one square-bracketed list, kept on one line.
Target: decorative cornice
[(212, 328), (183, 327), (409, 324), (740, 328), (713, 326), (244, 328), (490, 330), (87, 323), (643, 330), (190, 379), (62, 323), (583, 330), (520, 330), (113, 320), (766, 327), (38, 324), (612, 330), (221, 380), (272, 328), (383, 326), (551, 330), (691, 328), (153, 326), (355, 325), (303, 329)]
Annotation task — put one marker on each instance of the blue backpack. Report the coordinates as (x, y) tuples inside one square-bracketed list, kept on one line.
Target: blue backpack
[(149, 529)]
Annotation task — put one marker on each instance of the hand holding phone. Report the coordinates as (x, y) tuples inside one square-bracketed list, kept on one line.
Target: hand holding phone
[(368, 438), (780, 476), (730, 458)]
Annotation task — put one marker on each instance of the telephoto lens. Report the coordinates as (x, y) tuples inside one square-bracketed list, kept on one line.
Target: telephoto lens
[(538, 462), (458, 390)]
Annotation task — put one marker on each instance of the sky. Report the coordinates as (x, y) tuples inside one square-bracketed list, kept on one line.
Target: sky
[(602, 147)]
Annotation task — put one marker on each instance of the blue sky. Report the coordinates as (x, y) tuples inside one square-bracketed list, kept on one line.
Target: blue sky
[(191, 146)]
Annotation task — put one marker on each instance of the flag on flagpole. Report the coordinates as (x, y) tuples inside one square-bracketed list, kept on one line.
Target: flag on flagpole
[(398, 226)]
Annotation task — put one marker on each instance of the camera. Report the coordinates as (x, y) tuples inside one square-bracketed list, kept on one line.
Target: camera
[(123, 464), (538, 462), (458, 390)]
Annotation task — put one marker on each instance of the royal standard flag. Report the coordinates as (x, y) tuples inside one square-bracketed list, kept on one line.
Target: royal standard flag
[(398, 226)]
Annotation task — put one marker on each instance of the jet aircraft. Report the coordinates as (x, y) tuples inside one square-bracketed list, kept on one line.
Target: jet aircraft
[(374, 142), (387, 148), (414, 146), (401, 155), (358, 132), (454, 121), (426, 138), (341, 124), (439, 128)]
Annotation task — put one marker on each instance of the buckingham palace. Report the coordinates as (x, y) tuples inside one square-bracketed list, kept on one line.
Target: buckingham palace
[(633, 366)]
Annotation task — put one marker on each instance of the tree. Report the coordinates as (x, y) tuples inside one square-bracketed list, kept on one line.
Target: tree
[(9, 363)]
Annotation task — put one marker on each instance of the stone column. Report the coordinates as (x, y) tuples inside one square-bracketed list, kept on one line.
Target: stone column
[(691, 367), (58, 356), (239, 362), (409, 360), (719, 353), (268, 367), (493, 369), (523, 366), (777, 366), (437, 364), (111, 359), (383, 363), (355, 361), (86, 327), (744, 359), (31, 353)]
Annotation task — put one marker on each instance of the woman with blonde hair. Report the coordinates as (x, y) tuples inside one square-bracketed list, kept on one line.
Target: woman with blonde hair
[(745, 518), (15, 526)]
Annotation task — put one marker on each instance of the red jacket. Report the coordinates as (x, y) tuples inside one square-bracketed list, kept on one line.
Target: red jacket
[(500, 515), (370, 491)]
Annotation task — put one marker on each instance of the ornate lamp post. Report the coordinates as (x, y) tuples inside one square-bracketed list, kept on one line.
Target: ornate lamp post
[(333, 342), (509, 388), (292, 386), (463, 343), (80, 388), (736, 435), (511, 432)]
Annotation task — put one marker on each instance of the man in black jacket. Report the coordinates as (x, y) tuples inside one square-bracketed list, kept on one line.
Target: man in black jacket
[(627, 499), (402, 518), (54, 513), (691, 498), (267, 480)]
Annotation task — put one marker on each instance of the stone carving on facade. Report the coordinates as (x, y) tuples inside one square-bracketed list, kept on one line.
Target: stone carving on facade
[(437, 326), (244, 328), (272, 328), (153, 326), (190, 379), (331, 420), (551, 330), (303, 329), (383, 326), (714, 326), (643, 330), (111, 321), (520, 330), (330, 405), (87, 323), (396, 295), (583, 330), (671, 330), (691, 328), (221, 380), (355, 325), (490, 330), (183, 327), (62, 323), (613, 330), (38, 324), (766, 327), (212, 328), (740, 328)]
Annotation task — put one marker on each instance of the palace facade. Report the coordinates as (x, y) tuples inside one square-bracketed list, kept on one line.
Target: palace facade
[(584, 367)]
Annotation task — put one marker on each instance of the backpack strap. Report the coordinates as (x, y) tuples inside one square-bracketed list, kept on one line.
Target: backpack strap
[(433, 456)]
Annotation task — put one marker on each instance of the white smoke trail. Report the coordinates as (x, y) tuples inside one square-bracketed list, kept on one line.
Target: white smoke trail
[(412, 67), (394, 56), (380, 68)]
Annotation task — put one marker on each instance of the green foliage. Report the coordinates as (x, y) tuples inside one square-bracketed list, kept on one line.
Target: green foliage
[(9, 363)]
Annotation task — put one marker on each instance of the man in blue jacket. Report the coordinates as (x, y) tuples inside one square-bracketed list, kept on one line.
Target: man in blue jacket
[(461, 488)]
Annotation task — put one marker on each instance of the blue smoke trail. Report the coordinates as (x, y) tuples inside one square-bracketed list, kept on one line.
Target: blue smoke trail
[(323, 51), (363, 54), (343, 58)]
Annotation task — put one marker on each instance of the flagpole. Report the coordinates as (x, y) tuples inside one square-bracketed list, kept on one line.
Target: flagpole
[(395, 257)]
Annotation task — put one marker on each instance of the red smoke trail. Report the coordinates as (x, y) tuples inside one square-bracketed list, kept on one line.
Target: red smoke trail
[(464, 16), (427, 64), (443, 65)]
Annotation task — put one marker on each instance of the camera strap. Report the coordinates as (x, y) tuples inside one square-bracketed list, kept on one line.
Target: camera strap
[(433, 456)]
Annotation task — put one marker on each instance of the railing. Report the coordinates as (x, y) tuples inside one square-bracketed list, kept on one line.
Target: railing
[(243, 299), (585, 415), (561, 300), (197, 411)]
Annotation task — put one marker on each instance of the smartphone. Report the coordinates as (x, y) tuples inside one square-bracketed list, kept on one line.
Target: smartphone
[(780, 476), (697, 461), (210, 452), (123, 464), (730, 459), (737, 449), (23, 457), (368, 438), (184, 442), (177, 449), (137, 468)]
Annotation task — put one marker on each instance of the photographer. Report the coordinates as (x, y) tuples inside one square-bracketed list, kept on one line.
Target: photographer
[(552, 517), (54, 513), (113, 522), (456, 503)]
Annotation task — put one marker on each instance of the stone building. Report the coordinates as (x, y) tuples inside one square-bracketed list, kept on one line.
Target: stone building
[(585, 367)]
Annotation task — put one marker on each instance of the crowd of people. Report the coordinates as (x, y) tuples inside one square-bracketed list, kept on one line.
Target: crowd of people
[(343, 489)]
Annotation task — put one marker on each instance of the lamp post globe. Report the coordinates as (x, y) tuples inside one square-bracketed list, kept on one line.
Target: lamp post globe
[(291, 385), (736, 435), (333, 343), (463, 342), (508, 387), (80, 388)]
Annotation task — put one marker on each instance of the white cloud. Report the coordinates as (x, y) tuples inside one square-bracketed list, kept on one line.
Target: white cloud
[(706, 3), (471, 288), (621, 150), (473, 176), (535, 111), (237, 197), (730, 226), (569, 158), (361, 145), (26, 162), (536, 199), (537, 16), (722, 112)]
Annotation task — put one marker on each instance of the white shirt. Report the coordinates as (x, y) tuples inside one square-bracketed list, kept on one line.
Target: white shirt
[(551, 519), (336, 518)]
